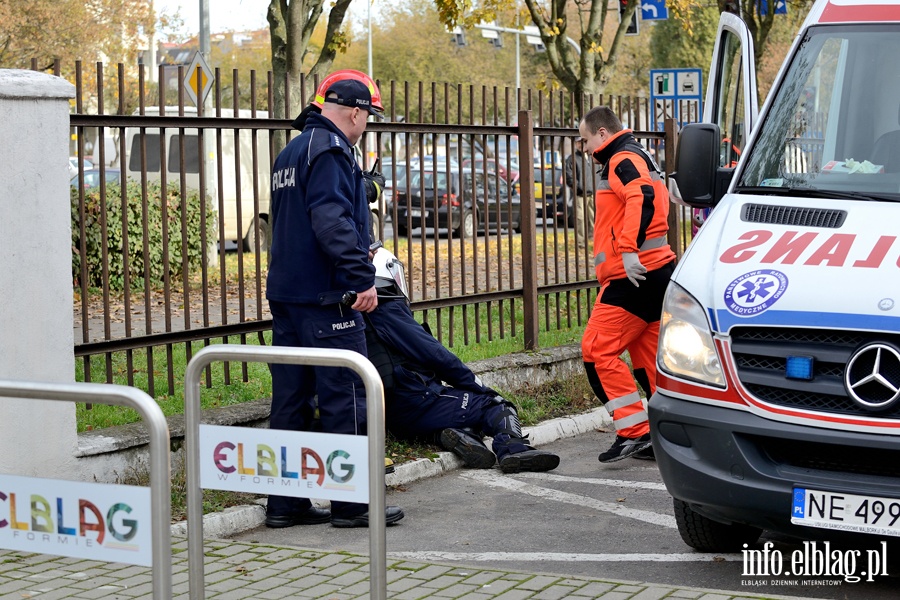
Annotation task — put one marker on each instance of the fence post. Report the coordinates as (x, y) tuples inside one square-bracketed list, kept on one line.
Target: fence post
[(36, 270), (529, 231), (670, 126)]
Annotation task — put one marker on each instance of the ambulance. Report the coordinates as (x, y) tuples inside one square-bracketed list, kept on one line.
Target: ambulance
[(778, 400)]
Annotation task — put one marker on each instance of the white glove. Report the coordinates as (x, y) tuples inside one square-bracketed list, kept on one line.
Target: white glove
[(634, 270)]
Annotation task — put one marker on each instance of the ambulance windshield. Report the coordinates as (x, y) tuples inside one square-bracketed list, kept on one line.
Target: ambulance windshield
[(834, 123)]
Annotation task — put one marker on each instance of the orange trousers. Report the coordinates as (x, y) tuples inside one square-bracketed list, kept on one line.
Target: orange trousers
[(625, 318)]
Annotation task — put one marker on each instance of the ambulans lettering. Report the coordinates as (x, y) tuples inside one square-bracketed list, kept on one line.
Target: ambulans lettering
[(811, 249)]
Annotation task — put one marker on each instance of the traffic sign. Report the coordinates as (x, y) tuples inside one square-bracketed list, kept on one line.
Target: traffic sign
[(675, 93), (197, 89), (633, 27), (780, 7), (655, 10)]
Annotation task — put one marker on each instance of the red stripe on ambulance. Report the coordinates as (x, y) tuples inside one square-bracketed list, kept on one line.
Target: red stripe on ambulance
[(839, 13)]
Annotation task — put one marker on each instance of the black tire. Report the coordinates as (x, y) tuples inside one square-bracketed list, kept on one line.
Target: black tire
[(466, 229), (259, 228), (707, 535), (401, 229)]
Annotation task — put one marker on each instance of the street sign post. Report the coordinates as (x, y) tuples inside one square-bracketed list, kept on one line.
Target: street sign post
[(675, 93)]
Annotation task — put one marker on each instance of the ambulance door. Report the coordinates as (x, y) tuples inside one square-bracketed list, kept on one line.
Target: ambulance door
[(731, 97)]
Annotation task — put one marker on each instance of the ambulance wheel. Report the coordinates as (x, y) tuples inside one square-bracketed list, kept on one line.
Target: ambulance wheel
[(707, 535)]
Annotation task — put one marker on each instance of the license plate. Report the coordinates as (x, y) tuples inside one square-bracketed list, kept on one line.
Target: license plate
[(415, 212), (846, 512)]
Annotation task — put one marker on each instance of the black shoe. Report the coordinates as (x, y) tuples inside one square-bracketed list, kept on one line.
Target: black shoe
[(392, 514), (468, 447), (645, 454), (624, 447), (530, 460), (311, 516)]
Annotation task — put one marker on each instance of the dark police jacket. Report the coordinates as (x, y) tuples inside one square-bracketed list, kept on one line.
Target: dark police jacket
[(411, 362), (320, 219)]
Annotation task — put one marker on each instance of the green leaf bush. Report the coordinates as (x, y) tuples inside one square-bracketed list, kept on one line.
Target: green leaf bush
[(151, 265)]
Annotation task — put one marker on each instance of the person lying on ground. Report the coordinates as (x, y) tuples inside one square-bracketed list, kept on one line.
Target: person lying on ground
[(430, 392)]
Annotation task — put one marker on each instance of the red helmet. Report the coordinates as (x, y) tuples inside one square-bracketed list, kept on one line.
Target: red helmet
[(348, 74)]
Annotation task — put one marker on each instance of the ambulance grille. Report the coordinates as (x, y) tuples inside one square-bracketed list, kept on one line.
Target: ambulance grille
[(836, 458), (793, 215), (760, 354)]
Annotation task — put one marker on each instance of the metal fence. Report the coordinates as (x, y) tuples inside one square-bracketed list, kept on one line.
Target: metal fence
[(494, 278)]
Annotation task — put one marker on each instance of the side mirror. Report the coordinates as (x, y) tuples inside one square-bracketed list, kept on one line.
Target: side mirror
[(701, 181)]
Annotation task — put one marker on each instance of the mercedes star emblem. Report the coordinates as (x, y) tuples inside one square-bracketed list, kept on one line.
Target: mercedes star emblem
[(872, 376)]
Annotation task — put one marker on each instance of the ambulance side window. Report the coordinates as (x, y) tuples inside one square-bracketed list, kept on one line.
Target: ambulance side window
[(729, 104)]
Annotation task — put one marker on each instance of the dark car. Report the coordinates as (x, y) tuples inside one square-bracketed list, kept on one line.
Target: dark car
[(92, 177), (494, 165), (550, 194), (457, 200)]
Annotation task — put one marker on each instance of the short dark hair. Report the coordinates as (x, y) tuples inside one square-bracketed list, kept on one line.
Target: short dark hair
[(602, 116)]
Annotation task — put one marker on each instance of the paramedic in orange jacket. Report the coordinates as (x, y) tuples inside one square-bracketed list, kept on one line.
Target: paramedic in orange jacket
[(633, 262)]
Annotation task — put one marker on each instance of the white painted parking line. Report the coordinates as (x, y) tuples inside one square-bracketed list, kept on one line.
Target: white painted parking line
[(427, 555), (640, 485), (493, 479)]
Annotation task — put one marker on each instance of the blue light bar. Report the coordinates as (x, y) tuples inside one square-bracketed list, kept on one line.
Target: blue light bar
[(799, 367)]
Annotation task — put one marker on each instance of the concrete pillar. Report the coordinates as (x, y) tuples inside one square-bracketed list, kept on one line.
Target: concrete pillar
[(37, 438)]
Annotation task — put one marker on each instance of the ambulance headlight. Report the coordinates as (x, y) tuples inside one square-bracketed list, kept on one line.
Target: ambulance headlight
[(686, 347)]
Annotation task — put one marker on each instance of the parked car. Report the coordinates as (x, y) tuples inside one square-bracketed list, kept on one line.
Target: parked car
[(549, 193), (493, 165), (92, 177), (73, 165), (457, 200)]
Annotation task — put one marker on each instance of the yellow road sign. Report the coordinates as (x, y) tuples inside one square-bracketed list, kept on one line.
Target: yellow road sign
[(198, 79)]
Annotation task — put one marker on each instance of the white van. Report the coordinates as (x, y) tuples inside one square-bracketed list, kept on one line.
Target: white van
[(244, 179), (778, 400)]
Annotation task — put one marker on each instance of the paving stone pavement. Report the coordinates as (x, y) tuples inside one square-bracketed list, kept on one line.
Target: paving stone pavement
[(239, 570), (236, 570)]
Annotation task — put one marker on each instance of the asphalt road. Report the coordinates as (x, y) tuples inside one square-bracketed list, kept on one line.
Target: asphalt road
[(584, 518)]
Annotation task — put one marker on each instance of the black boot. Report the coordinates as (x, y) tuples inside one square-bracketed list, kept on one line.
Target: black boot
[(529, 460), (469, 447), (514, 453)]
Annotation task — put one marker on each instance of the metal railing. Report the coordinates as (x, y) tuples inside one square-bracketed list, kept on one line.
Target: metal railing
[(375, 431), (130, 323), (160, 477)]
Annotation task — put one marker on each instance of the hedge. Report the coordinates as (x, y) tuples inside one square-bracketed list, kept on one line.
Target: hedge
[(139, 266)]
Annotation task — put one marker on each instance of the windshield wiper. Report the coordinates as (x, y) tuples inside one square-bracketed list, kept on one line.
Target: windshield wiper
[(811, 192)]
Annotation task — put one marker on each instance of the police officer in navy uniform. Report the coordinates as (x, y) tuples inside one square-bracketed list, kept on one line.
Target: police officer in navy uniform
[(429, 391), (320, 241)]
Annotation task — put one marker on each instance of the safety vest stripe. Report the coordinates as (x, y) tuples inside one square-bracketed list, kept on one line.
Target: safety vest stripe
[(657, 242), (651, 244), (630, 420), (623, 401)]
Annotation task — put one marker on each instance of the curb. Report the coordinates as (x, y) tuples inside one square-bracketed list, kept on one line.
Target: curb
[(238, 519)]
